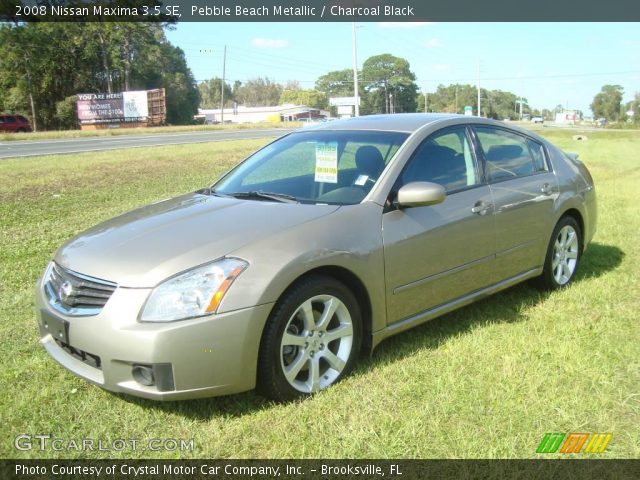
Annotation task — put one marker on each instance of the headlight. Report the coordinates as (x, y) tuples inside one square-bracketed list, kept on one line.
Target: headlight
[(194, 293)]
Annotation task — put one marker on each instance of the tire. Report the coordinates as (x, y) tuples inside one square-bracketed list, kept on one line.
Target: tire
[(563, 255), (311, 340)]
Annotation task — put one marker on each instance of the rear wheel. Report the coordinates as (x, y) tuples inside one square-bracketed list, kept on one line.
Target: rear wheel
[(311, 340), (563, 255)]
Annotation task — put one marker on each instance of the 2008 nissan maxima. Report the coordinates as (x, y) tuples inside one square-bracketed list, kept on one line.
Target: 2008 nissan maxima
[(312, 250)]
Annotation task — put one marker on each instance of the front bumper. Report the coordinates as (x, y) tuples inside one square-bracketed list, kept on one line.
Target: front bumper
[(208, 356)]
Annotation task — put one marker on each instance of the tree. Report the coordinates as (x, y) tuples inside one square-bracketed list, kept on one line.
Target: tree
[(390, 85), (501, 105), (338, 83), (310, 98), (210, 92), (451, 98), (66, 113), (175, 77), (606, 104), (634, 107), (43, 64), (258, 92), (292, 85), (496, 104)]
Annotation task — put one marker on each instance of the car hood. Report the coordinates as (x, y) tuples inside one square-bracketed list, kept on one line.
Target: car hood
[(145, 246)]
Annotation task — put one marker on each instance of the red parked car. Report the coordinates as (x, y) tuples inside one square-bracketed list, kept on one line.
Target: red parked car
[(14, 123)]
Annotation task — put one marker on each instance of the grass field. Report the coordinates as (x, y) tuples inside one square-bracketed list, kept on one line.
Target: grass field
[(486, 381)]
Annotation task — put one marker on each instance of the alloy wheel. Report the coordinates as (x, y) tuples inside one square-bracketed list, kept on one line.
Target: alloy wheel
[(565, 254), (316, 343)]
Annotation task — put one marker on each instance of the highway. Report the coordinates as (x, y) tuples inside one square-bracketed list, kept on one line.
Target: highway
[(31, 148)]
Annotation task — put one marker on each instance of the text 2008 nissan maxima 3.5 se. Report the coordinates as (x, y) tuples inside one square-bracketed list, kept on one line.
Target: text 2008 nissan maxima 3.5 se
[(311, 251)]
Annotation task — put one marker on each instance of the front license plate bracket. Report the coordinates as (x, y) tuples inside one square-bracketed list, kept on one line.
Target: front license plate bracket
[(57, 327)]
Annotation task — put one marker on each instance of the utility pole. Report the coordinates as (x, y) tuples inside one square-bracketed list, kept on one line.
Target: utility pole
[(456, 98), (386, 97), (355, 73), (479, 109), (224, 66), (521, 103), (29, 86)]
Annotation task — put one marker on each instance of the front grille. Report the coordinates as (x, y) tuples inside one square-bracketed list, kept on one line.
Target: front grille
[(76, 294), (85, 357)]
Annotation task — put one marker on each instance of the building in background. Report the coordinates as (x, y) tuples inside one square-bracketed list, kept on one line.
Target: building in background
[(275, 114), (568, 117)]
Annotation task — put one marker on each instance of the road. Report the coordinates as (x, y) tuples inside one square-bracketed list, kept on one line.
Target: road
[(31, 148)]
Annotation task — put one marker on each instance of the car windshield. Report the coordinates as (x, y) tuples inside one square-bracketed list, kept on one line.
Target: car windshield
[(334, 167)]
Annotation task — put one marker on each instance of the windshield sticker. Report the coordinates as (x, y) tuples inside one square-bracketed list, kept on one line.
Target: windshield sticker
[(327, 162), (361, 180)]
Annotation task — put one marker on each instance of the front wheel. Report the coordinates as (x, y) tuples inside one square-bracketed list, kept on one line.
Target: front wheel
[(311, 339), (563, 255)]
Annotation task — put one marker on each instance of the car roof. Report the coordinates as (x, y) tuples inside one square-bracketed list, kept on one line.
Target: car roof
[(410, 122), (397, 122)]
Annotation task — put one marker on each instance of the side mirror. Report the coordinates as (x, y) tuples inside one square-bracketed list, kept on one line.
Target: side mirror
[(420, 194)]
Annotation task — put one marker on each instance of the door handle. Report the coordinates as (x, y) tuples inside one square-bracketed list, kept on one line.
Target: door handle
[(481, 207), (546, 189)]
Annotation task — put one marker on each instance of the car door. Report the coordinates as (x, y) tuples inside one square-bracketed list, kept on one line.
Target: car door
[(524, 190), (435, 254), (11, 124)]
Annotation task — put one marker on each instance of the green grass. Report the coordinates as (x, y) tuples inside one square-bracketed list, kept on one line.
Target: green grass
[(486, 381), (114, 132)]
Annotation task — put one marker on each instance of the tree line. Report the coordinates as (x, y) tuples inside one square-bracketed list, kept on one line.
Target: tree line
[(386, 84), (44, 65), (608, 104)]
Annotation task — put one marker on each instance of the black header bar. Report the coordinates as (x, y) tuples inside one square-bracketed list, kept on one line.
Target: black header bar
[(320, 10)]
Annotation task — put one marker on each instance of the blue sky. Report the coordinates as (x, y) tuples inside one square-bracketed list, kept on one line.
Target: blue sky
[(547, 63)]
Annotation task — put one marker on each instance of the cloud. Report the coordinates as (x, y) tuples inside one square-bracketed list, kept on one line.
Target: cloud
[(441, 67), (404, 24), (433, 43), (269, 43)]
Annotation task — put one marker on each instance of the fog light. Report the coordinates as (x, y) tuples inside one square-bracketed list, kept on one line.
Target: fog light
[(143, 374)]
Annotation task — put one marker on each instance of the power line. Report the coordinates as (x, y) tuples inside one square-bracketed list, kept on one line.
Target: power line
[(471, 79)]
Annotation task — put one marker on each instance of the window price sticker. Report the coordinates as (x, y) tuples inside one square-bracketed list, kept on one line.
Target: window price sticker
[(327, 162)]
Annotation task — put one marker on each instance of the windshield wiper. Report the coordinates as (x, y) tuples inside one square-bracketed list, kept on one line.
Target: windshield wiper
[(260, 195)]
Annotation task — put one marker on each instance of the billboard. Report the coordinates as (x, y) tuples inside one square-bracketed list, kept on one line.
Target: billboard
[(340, 101), (94, 108)]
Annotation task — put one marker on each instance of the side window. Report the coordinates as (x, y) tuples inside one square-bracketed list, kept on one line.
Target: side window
[(537, 153), (443, 158), (508, 155), (11, 120)]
